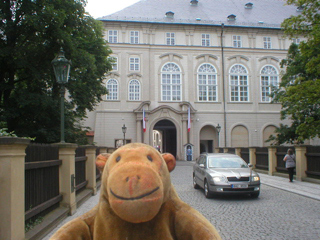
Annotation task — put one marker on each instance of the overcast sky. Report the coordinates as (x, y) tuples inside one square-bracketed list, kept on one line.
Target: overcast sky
[(100, 8)]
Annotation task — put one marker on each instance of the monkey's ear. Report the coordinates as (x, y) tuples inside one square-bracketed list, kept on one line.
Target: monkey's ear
[(170, 161), (101, 161)]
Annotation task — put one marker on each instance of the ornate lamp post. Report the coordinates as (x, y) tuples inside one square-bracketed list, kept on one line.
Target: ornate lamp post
[(124, 130), (61, 67), (218, 127)]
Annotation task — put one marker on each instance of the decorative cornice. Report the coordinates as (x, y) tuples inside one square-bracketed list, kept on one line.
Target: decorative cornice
[(238, 57)]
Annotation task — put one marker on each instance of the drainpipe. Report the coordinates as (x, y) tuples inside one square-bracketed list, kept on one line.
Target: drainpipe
[(223, 88)]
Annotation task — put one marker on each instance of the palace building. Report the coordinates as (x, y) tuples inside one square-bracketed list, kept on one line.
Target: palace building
[(193, 74)]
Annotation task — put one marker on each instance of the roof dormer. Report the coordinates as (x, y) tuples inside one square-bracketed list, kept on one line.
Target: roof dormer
[(169, 14), (194, 2), (248, 5), (232, 17), (300, 8)]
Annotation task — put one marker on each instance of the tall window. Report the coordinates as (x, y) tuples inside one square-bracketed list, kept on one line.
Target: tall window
[(134, 37), (114, 63), (170, 82), (113, 36), (296, 40), (170, 38), (205, 40), (207, 83), (269, 79), (267, 42), (134, 64), (134, 90), (112, 86), (236, 40), (239, 86)]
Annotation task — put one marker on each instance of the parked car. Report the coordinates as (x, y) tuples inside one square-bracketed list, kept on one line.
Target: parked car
[(224, 173)]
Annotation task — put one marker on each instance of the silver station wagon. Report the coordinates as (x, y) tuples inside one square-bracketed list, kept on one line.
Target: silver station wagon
[(219, 173)]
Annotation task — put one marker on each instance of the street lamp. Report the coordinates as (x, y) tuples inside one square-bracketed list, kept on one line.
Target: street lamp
[(218, 127), (124, 130), (61, 67)]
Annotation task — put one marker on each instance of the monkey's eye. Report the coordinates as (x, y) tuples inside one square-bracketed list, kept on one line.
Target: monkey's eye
[(118, 158), (149, 158)]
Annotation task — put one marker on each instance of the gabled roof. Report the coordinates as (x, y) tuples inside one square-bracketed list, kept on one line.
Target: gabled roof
[(264, 13)]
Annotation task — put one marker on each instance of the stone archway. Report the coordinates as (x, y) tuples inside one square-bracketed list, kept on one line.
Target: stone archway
[(207, 139), (168, 132)]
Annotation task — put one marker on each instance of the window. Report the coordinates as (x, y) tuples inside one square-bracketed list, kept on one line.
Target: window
[(236, 41), (267, 42), (171, 82), (134, 37), (134, 90), (113, 36), (112, 86), (207, 83), (269, 79), (296, 40), (134, 64), (114, 63), (239, 88), (170, 38), (205, 40)]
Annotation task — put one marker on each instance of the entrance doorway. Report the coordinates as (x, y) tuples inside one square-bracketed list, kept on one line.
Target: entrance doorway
[(208, 136), (168, 136)]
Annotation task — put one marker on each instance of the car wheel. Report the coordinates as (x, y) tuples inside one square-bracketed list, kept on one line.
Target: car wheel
[(255, 194), (207, 192), (195, 185)]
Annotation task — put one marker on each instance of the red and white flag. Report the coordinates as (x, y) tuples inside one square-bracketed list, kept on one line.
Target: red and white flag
[(144, 121), (189, 120)]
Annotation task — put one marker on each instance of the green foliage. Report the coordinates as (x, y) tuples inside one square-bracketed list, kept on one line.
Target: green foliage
[(31, 224), (31, 34), (299, 91), (4, 133)]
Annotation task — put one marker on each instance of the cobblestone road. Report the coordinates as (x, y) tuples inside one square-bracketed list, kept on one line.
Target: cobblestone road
[(276, 214)]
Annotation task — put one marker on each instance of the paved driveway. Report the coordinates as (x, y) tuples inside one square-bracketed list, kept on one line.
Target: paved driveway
[(275, 215)]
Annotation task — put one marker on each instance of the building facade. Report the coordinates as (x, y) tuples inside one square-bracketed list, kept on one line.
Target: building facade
[(193, 73)]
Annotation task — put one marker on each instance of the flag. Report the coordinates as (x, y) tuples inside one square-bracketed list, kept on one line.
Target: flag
[(144, 121), (189, 120)]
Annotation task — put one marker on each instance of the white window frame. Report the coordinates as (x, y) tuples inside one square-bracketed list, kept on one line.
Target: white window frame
[(239, 83), (134, 64), (113, 88), (114, 63), (207, 83), (134, 90), (113, 36), (171, 82), (170, 38), (205, 39), (267, 44), (269, 77), (134, 37), (296, 40), (236, 41)]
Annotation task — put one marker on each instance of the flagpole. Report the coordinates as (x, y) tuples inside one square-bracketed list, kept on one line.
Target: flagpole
[(189, 125)]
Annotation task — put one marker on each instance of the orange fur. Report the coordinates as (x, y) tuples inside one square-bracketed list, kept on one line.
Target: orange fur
[(138, 201)]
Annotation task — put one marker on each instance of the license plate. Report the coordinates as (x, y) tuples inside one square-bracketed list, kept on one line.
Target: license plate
[(239, 185)]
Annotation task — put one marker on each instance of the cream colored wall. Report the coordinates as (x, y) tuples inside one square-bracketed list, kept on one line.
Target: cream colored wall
[(154, 53)]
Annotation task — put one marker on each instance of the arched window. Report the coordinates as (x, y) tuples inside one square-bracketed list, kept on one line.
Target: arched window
[(269, 79), (134, 90), (112, 86), (207, 83), (171, 82), (239, 85)]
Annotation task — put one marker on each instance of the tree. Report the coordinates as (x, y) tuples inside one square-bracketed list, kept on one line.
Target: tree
[(299, 91), (31, 34)]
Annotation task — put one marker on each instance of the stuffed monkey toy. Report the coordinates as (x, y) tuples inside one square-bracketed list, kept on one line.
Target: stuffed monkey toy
[(138, 202)]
